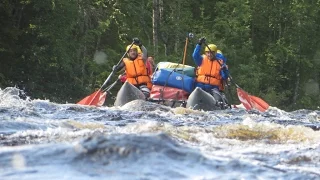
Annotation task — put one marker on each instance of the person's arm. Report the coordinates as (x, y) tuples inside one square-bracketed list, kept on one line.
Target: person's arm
[(221, 56), (144, 53), (197, 58), (224, 72), (119, 67)]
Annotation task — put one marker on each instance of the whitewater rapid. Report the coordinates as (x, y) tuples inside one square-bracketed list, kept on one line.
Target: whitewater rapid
[(40, 139)]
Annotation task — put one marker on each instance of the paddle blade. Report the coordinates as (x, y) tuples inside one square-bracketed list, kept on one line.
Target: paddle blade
[(259, 104), (244, 99), (102, 98), (251, 102), (96, 99)]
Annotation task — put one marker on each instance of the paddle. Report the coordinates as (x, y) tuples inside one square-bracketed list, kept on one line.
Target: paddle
[(98, 98), (190, 35), (250, 102)]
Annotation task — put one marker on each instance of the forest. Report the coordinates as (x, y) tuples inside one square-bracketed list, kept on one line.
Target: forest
[(63, 50)]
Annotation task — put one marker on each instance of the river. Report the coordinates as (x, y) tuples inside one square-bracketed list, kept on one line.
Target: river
[(40, 139)]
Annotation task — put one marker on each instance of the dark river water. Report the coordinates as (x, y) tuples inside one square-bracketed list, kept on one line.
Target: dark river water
[(40, 139)]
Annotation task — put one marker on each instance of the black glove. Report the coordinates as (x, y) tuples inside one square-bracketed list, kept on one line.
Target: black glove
[(137, 42), (202, 40)]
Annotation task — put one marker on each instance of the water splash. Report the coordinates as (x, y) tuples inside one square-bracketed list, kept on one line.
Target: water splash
[(44, 140)]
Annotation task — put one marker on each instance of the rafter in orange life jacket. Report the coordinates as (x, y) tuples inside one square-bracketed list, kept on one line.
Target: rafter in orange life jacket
[(136, 72)]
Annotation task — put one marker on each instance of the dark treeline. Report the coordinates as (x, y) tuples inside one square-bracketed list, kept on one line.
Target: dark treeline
[(63, 50)]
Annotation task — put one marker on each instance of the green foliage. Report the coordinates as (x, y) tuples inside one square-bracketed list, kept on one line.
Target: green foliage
[(307, 102), (48, 47), (278, 99)]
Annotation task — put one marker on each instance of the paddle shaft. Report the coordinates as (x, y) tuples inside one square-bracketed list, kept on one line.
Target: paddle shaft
[(231, 79), (185, 51), (111, 86), (190, 35), (111, 74)]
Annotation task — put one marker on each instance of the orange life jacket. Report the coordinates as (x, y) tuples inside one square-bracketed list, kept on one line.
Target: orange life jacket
[(209, 72), (136, 72)]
